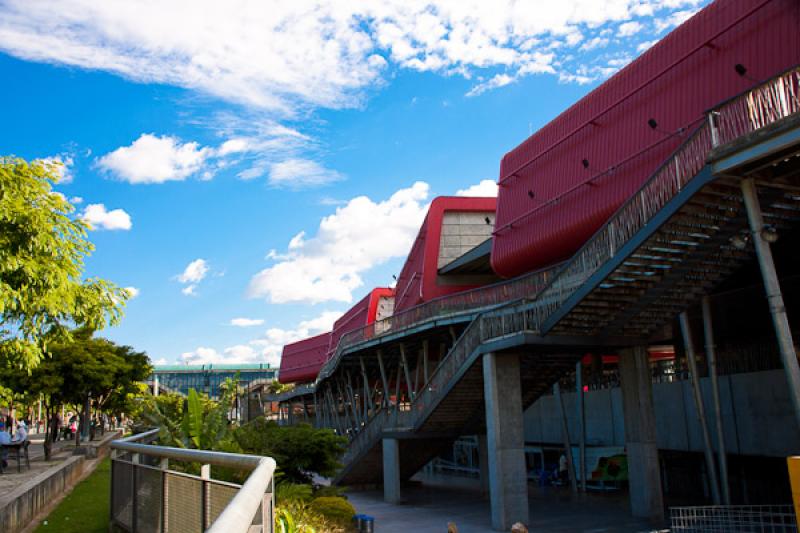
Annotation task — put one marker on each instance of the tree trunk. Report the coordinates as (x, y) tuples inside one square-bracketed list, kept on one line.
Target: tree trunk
[(52, 426)]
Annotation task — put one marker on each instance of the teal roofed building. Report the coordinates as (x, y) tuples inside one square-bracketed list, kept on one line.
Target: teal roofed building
[(208, 378)]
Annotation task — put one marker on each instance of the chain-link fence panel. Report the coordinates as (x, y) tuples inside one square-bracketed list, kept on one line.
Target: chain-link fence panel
[(122, 494), (184, 503), (149, 498)]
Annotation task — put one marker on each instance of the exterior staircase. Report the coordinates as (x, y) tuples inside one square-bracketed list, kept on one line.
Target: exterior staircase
[(669, 244)]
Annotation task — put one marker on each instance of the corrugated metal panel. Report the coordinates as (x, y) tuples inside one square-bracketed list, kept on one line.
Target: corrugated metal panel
[(418, 280), (361, 314), (302, 360), (545, 212)]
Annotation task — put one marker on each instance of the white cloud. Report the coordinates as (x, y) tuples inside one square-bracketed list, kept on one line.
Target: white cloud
[(61, 166), (98, 217), (358, 236), (192, 275), (202, 356), (246, 322), (189, 290), (153, 159), (251, 52), (133, 292), (271, 344), (301, 173), (630, 28), (75, 200), (194, 272), (498, 80), (486, 188), (645, 45), (264, 349), (675, 19)]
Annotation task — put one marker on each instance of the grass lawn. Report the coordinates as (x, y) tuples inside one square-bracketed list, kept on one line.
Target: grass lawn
[(85, 509)]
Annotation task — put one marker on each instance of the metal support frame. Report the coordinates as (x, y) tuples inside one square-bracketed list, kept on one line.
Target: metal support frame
[(579, 404), (386, 396), (774, 295), (700, 408), (404, 363), (565, 433), (425, 354), (711, 358)]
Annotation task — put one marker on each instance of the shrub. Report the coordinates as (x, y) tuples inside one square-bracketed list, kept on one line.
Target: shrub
[(336, 509), (300, 450)]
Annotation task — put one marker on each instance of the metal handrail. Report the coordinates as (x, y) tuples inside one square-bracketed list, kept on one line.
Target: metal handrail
[(238, 514)]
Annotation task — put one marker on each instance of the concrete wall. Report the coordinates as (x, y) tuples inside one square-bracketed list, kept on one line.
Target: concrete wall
[(756, 413), (19, 507), (461, 232)]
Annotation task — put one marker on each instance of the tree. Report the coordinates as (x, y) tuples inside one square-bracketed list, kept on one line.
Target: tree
[(299, 450), (79, 369), (42, 253)]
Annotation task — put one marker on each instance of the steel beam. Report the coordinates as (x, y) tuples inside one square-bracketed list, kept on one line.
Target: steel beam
[(711, 358), (700, 408), (774, 295)]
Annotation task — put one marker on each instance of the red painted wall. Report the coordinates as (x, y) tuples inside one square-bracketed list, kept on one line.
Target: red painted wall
[(689, 71), (417, 281), (302, 360)]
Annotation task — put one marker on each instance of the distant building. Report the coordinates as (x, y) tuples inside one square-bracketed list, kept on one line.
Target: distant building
[(208, 378)]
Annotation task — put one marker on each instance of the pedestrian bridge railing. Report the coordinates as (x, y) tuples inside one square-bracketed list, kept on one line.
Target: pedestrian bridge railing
[(148, 496)]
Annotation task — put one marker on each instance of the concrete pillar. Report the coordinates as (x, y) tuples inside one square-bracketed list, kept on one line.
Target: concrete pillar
[(483, 463), (508, 477), (644, 473), (391, 471)]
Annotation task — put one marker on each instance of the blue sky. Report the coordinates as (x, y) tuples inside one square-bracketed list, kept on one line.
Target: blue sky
[(253, 169)]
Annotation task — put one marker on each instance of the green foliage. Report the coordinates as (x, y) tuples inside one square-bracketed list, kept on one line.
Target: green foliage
[(194, 422), (81, 366), (300, 450), (42, 253), (335, 509), (293, 492)]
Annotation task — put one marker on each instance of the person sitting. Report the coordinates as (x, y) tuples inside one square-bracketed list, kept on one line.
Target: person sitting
[(5, 438)]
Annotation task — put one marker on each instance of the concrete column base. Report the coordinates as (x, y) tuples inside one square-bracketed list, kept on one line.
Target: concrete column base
[(391, 471), (508, 476), (644, 474)]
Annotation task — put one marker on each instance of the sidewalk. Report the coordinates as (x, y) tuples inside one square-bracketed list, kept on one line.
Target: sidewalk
[(429, 506)]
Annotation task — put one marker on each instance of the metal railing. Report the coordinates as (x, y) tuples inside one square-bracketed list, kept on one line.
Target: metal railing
[(147, 496), (734, 518), (759, 107)]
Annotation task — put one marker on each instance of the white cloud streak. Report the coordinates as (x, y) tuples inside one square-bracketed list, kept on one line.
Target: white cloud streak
[(251, 53), (266, 348), (246, 322)]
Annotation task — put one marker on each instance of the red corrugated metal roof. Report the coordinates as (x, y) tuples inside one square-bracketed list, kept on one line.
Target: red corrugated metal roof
[(417, 281), (358, 316), (546, 210), (302, 360)]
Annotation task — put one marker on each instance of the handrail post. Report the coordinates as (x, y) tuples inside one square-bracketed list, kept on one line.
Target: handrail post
[(205, 474)]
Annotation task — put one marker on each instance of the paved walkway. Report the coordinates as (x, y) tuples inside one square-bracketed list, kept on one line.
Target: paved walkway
[(438, 500), (10, 479)]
